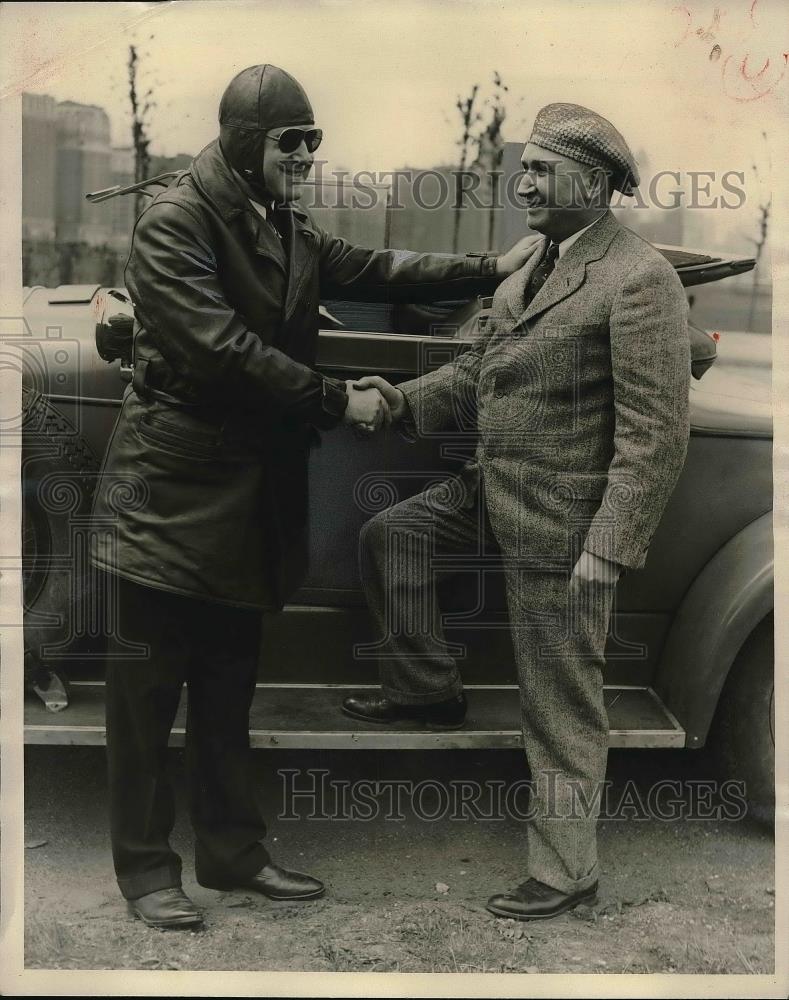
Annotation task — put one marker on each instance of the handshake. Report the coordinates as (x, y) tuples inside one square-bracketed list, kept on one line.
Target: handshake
[(373, 403)]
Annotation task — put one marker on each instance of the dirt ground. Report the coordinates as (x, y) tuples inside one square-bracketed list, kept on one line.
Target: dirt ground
[(683, 896)]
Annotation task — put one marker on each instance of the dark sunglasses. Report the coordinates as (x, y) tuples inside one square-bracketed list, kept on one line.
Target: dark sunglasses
[(290, 139)]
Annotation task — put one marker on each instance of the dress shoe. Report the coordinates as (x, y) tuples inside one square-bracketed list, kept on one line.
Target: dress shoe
[(534, 900), (449, 714), (279, 883), (166, 908)]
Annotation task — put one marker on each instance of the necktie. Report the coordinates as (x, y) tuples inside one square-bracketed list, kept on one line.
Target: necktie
[(543, 270), (280, 220)]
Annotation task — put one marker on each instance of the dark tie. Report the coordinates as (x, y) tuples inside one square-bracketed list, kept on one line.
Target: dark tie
[(543, 270), (280, 220)]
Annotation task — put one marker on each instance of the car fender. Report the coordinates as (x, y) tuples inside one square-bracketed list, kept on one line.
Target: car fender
[(723, 605)]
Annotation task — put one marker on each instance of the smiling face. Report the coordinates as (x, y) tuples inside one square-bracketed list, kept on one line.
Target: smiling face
[(561, 195), (284, 173)]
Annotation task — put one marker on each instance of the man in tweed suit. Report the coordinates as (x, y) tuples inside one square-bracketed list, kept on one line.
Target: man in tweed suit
[(578, 388)]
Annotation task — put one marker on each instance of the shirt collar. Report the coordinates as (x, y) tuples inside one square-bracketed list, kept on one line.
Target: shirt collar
[(565, 245), (260, 209)]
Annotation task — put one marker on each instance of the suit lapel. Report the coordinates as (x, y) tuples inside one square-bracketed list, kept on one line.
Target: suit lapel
[(301, 242), (515, 288), (265, 239), (565, 279), (216, 181), (570, 271), (293, 254)]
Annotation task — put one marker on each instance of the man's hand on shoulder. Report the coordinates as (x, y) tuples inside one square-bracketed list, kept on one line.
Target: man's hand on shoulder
[(514, 259)]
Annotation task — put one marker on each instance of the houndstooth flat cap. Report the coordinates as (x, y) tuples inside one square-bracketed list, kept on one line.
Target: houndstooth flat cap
[(585, 136)]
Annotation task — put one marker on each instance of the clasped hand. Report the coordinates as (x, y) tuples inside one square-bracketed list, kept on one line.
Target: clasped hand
[(593, 570), (372, 403)]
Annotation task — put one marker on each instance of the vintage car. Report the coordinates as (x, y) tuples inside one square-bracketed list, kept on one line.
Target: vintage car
[(690, 651)]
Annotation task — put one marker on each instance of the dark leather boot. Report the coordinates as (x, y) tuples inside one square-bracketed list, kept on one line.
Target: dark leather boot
[(375, 707), (279, 883), (166, 908), (533, 900)]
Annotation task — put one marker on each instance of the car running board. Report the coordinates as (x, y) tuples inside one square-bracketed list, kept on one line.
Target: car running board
[(307, 716)]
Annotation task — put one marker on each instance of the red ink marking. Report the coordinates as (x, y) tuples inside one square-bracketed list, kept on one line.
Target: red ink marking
[(755, 76), (708, 34), (739, 83), (733, 84)]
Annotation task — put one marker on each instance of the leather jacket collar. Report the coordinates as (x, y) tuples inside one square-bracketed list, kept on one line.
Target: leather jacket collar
[(214, 178)]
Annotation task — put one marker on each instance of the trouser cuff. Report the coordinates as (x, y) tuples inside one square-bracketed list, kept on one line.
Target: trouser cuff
[(212, 876), (452, 690), (564, 884), (134, 886)]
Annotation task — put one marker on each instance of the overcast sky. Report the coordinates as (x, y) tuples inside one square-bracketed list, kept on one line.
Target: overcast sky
[(383, 76)]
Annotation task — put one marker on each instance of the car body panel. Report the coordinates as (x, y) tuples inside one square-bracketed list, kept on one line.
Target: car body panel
[(732, 593)]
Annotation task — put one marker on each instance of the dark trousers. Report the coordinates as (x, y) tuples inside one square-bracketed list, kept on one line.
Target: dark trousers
[(214, 650), (558, 644)]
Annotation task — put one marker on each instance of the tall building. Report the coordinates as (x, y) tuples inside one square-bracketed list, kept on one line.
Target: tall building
[(83, 164), (39, 164)]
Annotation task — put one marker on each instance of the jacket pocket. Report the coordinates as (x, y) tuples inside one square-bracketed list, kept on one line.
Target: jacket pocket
[(563, 330), (567, 487), (181, 435)]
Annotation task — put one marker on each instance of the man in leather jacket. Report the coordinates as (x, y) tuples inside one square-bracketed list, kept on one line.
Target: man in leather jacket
[(200, 513)]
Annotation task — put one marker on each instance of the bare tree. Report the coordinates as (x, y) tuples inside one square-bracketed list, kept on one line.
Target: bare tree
[(490, 149), (759, 243), (469, 117), (140, 108), (481, 131)]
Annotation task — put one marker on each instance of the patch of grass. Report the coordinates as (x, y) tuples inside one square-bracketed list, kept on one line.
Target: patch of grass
[(439, 936), (335, 955), (357, 956), (447, 941), (699, 959), (47, 941), (692, 955), (101, 943)]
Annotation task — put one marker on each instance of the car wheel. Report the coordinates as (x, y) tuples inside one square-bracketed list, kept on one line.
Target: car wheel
[(743, 736), (58, 477)]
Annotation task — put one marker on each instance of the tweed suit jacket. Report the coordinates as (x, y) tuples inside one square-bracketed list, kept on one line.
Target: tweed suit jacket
[(579, 398)]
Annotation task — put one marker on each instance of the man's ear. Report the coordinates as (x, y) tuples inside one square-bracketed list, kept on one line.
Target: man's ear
[(600, 187)]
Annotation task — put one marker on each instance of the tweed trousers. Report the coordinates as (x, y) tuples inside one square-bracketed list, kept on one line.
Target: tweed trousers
[(558, 644)]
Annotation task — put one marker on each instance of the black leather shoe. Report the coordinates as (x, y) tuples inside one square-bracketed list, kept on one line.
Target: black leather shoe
[(449, 714), (166, 908), (279, 883), (534, 900)]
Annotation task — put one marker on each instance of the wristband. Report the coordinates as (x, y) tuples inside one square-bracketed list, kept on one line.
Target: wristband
[(488, 263), (334, 398)]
